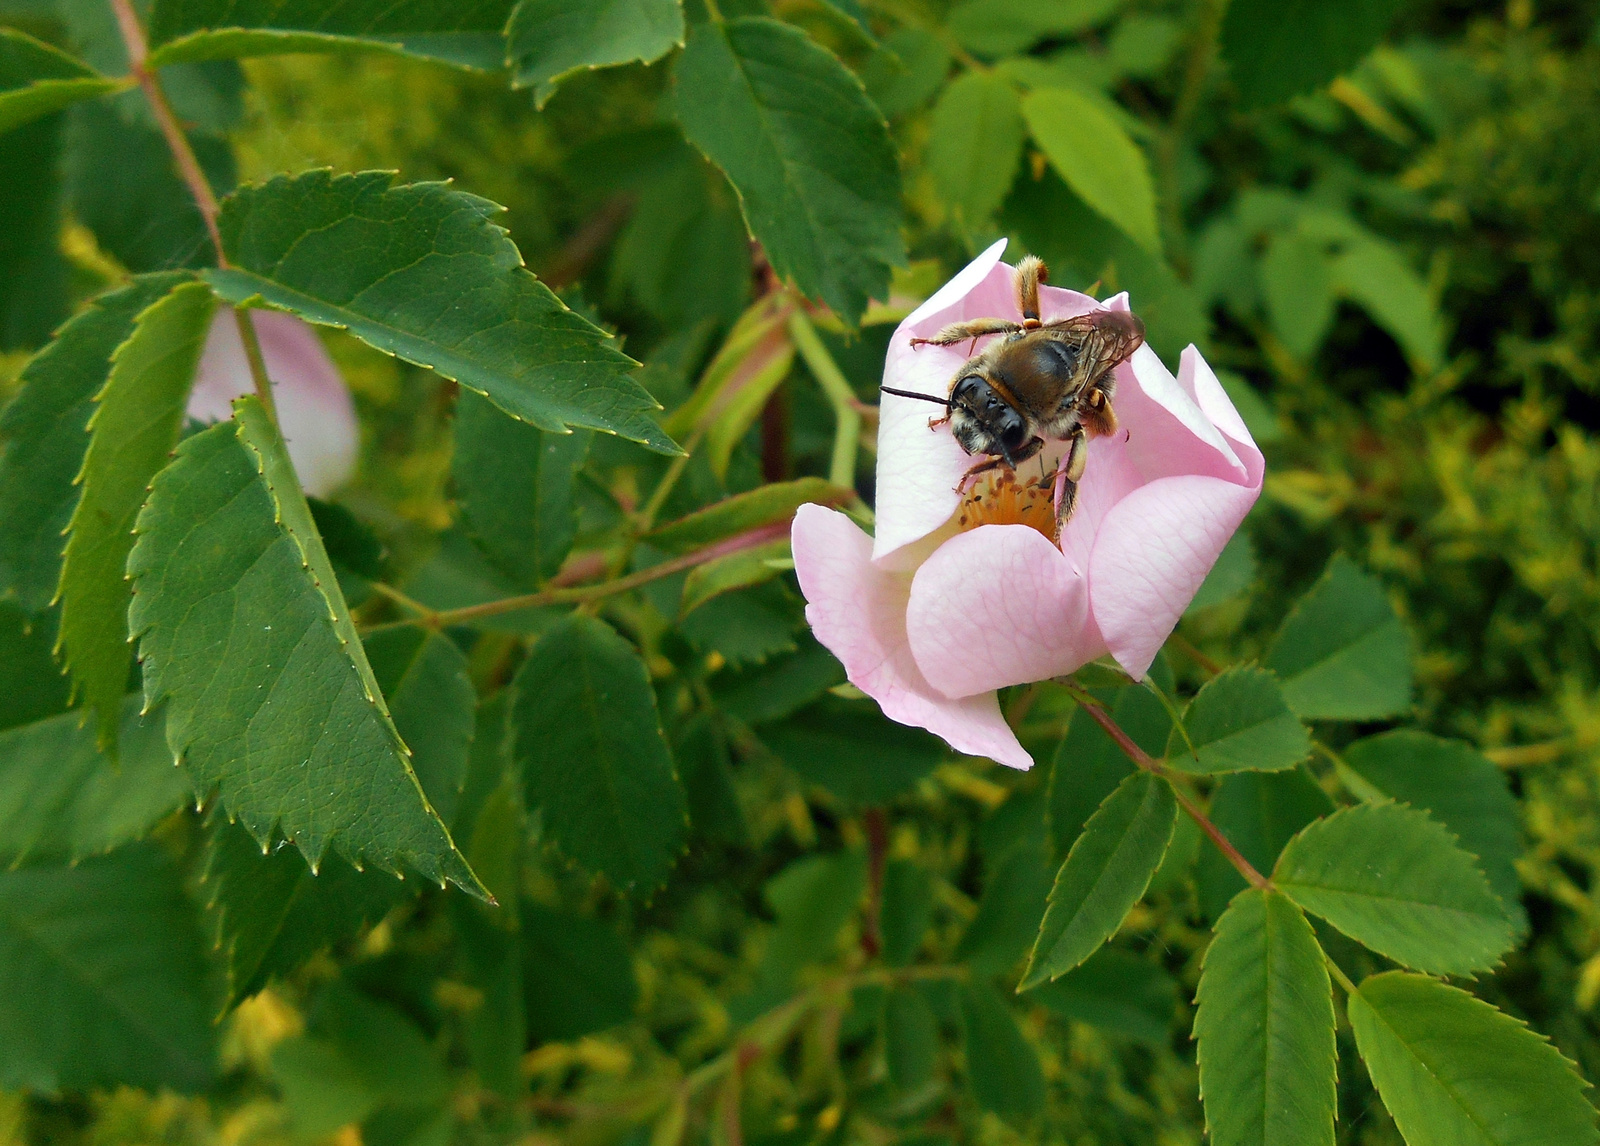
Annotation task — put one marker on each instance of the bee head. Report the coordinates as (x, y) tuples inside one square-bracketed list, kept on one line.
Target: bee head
[(984, 422)]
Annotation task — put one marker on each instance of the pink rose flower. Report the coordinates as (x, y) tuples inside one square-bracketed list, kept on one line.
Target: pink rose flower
[(314, 408), (954, 599)]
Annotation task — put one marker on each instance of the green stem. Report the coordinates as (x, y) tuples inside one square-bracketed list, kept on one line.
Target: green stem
[(646, 517), (713, 11), (846, 406), (258, 364), (1338, 974), (1201, 52)]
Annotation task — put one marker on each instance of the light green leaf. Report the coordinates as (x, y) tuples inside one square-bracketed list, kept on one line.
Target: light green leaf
[(909, 66), (1093, 153), (424, 677), (102, 981), (514, 483), (1459, 788), (577, 975), (271, 700), (62, 800), (813, 898), (1104, 875), (1455, 1071), (1265, 1028), (1002, 1067), (805, 148), (419, 271), (1115, 991), (1001, 27), (549, 40), (1376, 275), (765, 505), (1238, 722), (595, 764), (466, 33), (1392, 878), (46, 435), (36, 79), (1342, 653), (1279, 48), (1297, 285), (975, 143), (738, 570), (1258, 812), (137, 418)]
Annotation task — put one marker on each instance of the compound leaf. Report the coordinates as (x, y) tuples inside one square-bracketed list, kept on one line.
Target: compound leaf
[(1392, 878), (593, 758), (137, 418), (1265, 1028), (1094, 154), (37, 79), (419, 271), (271, 701), (808, 153), (1238, 722), (549, 40), (1258, 812)]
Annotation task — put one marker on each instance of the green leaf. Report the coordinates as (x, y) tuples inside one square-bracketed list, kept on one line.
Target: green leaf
[(813, 898), (496, 1029), (46, 435), (765, 505), (1013, 903), (514, 483), (781, 686), (466, 33), (1104, 875), (577, 975), (910, 1038), (1258, 812), (906, 912), (1093, 153), (848, 748), (588, 740), (1002, 1067), (1455, 1071), (1238, 722), (549, 40), (1235, 569), (1342, 653), (706, 768), (419, 271), (975, 144), (62, 800), (909, 66), (1279, 48), (137, 418), (1265, 1028), (1392, 878), (1297, 286), (1377, 275), (738, 570), (1115, 991), (269, 913), (34, 273), (805, 148), (288, 723), (31, 686), (36, 79), (424, 678), (1001, 27), (1088, 765), (1459, 788), (102, 981)]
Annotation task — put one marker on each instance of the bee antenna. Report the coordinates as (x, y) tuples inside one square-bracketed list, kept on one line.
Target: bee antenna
[(945, 402)]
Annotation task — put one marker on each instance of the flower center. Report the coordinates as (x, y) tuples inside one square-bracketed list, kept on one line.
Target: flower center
[(999, 499)]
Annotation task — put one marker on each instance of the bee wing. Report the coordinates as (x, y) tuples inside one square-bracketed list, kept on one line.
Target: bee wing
[(1104, 340)]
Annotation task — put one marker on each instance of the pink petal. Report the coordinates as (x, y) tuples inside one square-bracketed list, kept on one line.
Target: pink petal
[(314, 407), (996, 606), (858, 612), (1153, 551), (1167, 431)]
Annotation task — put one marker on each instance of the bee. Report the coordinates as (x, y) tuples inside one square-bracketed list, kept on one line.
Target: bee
[(1042, 380)]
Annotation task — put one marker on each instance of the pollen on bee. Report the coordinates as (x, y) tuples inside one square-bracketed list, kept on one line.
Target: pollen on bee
[(999, 499)]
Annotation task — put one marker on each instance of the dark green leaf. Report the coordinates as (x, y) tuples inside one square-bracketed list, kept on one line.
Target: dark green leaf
[(813, 899), (706, 769), (1088, 764), (31, 686), (1104, 875), (767, 505), (975, 143), (781, 686), (351, 544), (577, 975), (1454, 1071), (288, 723), (1265, 1028), (1462, 790), (1342, 654), (1392, 878), (849, 748), (1115, 991), (746, 626), (1002, 1068), (594, 761), (906, 912), (1009, 912), (1094, 154), (808, 153), (1238, 722), (424, 678), (910, 1038), (269, 913), (46, 434), (1235, 569), (34, 274), (1258, 813), (137, 418), (908, 67), (102, 981), (1279, 48), (36, 79), (419, 271), (61, 800), (463, 32), (549, 40), (497, 1029)]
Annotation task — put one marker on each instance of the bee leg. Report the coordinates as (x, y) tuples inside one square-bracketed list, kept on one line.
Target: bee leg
[(935, 423), (962, 331), (1069, 472), (982, 467)]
